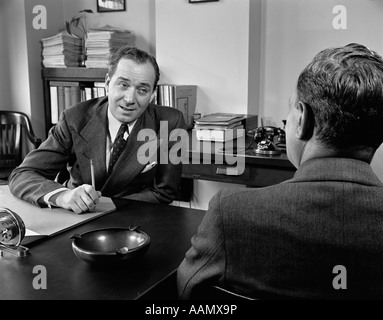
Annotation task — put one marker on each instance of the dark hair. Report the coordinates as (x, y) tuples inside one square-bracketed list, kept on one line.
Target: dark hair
[(136, 55), (343, 86)]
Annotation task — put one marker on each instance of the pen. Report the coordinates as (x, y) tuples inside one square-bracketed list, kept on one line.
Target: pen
[(92, 174)]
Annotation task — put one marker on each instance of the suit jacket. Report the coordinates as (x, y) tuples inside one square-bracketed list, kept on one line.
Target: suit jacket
[(80, 135), (286, 240)]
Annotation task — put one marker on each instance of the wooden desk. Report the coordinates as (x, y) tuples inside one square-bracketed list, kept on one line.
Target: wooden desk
[(170, 229), (259, 171)]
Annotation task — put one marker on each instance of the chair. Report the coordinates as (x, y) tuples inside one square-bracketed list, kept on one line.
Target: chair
[(16, 140), (218, 293), (166, 289)]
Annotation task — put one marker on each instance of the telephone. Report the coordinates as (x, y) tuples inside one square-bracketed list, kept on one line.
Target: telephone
[(270, 140)]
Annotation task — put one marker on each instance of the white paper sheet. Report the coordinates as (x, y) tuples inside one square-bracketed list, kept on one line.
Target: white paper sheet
[(45, 221)]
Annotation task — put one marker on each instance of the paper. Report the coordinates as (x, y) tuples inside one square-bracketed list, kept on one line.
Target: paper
[(29, 233), (45, 221)]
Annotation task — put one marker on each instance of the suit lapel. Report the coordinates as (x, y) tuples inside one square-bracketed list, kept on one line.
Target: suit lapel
[(94, 135)]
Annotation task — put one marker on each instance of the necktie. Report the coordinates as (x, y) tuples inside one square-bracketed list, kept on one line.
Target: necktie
[(118, 145)]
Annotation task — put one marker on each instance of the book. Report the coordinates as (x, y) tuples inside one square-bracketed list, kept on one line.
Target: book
[(75, 95), (67, 95), (62, 50), (54, 104), (181, 97), (220, 135), (61, 99), (217, 126), (220, 119), (101, 92), (101, 42), (88, 93)]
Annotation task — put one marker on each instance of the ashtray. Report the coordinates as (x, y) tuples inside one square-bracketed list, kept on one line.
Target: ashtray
[(110, 246)]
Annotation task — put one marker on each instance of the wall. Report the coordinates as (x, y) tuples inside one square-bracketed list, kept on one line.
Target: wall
[(4, 67), (295, 30), (207, 44), (34, 48), (14, 85), (138, 17)]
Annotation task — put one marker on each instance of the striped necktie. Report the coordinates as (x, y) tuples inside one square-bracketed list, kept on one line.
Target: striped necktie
[(118, 145)]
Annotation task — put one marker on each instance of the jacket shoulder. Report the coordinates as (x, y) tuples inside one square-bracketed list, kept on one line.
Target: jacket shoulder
[(164, 113), (80, 113)]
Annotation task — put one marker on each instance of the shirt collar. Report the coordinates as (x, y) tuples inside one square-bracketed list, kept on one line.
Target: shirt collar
[(114, 125)]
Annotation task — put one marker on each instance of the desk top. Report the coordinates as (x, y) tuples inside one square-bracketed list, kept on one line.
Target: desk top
[(169, 227)]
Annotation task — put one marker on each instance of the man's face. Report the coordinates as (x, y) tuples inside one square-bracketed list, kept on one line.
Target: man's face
[(130, 89)]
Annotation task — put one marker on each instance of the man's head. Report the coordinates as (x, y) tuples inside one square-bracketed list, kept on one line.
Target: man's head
[(337, 108), (131, 83)]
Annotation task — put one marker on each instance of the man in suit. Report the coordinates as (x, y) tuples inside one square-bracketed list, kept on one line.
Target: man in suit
[(318, 235), (126, 123)]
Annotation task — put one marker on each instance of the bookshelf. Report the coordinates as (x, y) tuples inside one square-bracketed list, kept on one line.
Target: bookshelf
[(84, 77)]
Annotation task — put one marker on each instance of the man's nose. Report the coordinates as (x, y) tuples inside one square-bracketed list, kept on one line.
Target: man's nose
[(129, 96)]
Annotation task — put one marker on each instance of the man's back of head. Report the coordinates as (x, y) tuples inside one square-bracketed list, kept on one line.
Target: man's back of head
[(340, 96)]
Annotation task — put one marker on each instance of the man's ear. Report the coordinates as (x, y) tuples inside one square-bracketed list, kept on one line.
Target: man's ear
[(107, 81), (305, 128)]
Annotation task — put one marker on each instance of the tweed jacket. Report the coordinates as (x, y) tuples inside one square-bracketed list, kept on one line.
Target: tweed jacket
[(80, 135), (293, 239)]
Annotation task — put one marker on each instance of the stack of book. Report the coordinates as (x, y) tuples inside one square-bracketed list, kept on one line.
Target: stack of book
[(100, 43), (219, 127), (181, 97), (62, 50)]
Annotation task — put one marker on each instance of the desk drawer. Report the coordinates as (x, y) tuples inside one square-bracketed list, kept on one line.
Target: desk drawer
[(215, 172), (253, 176)]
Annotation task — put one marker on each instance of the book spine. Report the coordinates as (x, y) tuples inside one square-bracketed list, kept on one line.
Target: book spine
[(75, 95), (219, 135), (61, 99), (54, 104), (101, 92), (172, 96), (161, 99), (83, 96), (166, 95), (67, 95), (88, 93)]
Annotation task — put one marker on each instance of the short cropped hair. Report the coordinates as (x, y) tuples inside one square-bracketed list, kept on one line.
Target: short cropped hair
[(343, 86), (136, 55)]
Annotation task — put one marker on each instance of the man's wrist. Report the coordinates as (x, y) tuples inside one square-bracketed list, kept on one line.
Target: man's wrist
[(51, 197)]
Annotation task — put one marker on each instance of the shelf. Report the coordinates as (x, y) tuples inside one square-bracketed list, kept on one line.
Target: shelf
[(74, 74)]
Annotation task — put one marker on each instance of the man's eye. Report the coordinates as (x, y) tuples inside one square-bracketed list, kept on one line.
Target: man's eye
[(123, 85), (143, 91)]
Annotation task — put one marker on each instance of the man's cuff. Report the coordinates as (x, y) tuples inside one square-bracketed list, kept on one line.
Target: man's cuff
[(50, 194)]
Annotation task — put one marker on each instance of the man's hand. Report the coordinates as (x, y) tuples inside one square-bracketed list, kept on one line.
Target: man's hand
[(82, 199)]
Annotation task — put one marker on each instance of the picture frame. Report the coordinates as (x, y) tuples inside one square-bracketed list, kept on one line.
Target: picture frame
[(199, 1), (111, 5)]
